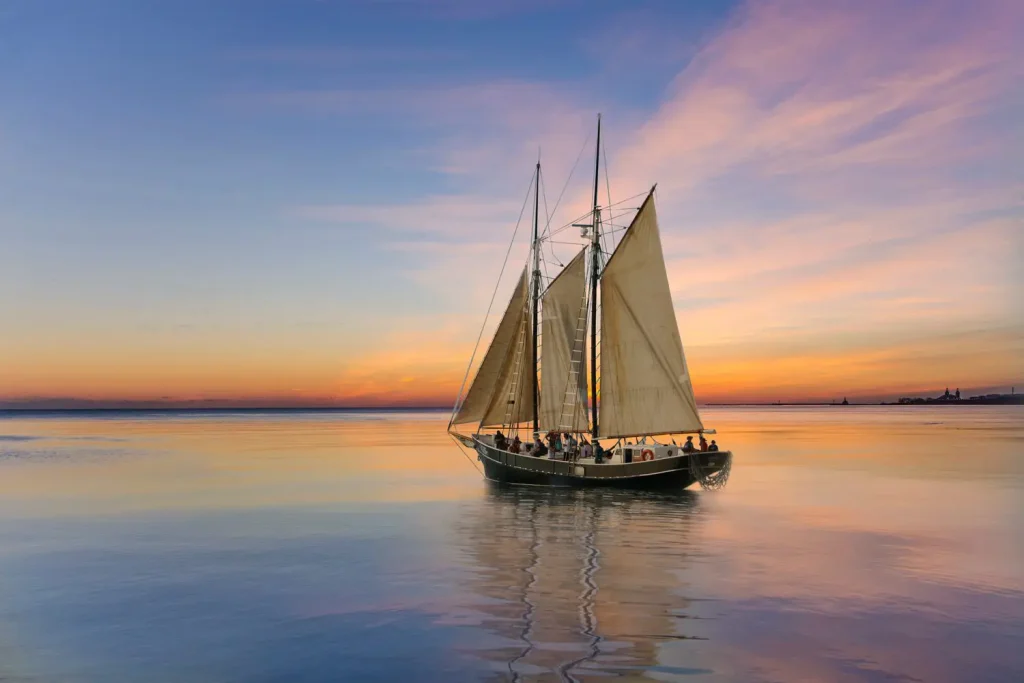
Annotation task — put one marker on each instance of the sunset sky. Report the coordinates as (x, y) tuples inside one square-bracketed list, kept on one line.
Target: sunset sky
[(287, 202)]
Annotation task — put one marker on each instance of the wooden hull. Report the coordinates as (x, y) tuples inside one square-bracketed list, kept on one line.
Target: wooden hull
[(660, 474)]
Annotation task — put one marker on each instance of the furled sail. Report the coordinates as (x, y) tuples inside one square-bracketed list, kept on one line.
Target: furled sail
[(505, 370), (645, 384), (563, 358)]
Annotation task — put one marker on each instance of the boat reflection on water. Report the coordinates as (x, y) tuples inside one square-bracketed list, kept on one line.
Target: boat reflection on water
[(580, 584)]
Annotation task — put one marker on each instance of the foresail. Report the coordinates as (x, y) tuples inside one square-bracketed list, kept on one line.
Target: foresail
[(645, 384), (563, 356), (489, 393), (512, 403)]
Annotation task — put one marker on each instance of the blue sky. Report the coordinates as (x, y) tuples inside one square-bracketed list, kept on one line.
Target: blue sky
[(195, 195)]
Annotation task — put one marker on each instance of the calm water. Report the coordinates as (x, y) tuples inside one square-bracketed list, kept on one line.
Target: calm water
[(852, 544)]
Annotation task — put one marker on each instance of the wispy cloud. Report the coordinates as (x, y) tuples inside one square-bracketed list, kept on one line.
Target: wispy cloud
[(827, 172), (335, 56), (467, 10), (840, 192), (440, 216)]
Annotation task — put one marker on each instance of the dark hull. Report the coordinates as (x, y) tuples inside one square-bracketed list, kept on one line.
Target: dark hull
[(659, 474)]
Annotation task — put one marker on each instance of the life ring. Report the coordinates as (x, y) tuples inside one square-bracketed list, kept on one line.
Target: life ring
[(647, 454)]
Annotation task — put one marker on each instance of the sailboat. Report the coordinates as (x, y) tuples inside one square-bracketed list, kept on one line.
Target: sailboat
[(585, 382)]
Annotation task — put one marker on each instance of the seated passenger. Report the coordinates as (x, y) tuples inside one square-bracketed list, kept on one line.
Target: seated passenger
[(688, 446), (703, 443), (516, 446), (586, 451), (539, 449), (713, 446)]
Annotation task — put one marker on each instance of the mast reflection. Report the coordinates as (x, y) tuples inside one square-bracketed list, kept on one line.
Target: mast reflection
[(579, 584)]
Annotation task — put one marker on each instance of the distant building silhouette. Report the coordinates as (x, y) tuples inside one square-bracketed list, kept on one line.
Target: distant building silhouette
[(845, 402), (1012, 398)]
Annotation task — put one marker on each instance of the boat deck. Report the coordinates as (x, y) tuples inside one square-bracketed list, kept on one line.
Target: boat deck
[(503, 465)]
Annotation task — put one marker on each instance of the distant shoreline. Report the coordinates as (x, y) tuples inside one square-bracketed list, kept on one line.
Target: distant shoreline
[(439, 409), (763, 405), (1002, 401), (245, 409)]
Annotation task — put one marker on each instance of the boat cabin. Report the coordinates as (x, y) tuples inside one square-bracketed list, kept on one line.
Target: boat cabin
[(638, 452)]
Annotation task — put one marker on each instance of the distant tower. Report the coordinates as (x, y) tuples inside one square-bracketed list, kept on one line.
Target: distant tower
[(947, 393), (845, 402), (957, 393)]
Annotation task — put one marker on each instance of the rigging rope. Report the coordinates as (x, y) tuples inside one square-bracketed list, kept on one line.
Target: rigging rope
[(588, 213), (608, 186), (547, 224), (566, 185), (476, 347), (710, 481), (463, 451)]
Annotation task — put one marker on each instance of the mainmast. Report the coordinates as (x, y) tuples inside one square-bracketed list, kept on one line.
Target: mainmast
[(536, 288), (595, 252)]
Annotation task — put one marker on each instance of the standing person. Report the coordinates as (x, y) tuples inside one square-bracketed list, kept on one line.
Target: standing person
[(688, 446), (703, 443), (586, 451), (568, 446)]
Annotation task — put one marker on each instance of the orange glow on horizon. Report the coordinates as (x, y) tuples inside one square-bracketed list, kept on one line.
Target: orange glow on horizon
[(429, 376)]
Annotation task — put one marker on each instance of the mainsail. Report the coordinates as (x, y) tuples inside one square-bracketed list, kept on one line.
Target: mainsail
[(645, 385), (563, 357), (501, 391)]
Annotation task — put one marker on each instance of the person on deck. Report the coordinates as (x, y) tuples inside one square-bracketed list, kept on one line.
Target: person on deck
[(598, 452), (549, 438), (500, 442), (688, 446), (539, 449), (570, 441), (569, 446), (586, 451), (703, 443), (713, 446), (516, 446)]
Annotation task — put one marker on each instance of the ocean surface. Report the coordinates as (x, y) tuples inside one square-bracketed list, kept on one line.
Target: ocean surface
[(851, 544)]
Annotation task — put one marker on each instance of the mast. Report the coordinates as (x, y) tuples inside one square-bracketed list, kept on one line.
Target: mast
[(595, 250), (536, 288)]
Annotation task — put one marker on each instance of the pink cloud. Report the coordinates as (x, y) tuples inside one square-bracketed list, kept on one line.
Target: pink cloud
[(829, 174), (794, 87)]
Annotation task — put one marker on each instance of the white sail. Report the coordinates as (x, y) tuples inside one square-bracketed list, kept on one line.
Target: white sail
[(506, 363), (563, 357), (645, 385)]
